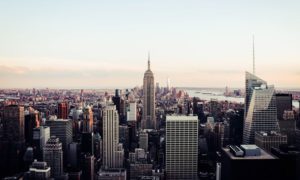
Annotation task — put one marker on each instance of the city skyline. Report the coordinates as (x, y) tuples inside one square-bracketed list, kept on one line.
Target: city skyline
[(105, 44)]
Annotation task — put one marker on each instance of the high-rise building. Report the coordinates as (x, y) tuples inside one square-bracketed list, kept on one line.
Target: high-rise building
[(40, 137), (132, 113), (117, 102), (53, 155), (260, 107), (13, 123), (12, 142), (31, 122), (38, 171), (74, 155), (268, 140), (143, 140), (87, 123), (283, 103), (182, 147), (248, 162), (88, 167), (149, 118), (111, 148), (62, 129), (62, 110)]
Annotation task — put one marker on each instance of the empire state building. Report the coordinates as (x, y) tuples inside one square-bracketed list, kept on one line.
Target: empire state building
[(149, 118)]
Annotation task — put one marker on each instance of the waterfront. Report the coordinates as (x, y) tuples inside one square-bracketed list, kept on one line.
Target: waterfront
[(208, 94)]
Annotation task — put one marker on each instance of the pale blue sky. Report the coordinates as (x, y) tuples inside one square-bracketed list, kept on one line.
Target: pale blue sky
[(84, 44)]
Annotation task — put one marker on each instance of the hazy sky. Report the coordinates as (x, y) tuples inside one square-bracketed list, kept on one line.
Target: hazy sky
[(93, 44)]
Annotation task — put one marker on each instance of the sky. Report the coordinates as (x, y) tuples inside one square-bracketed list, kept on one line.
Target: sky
[(104, 44)]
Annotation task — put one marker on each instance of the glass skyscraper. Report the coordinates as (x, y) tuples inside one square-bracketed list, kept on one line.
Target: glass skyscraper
[(260, 108)]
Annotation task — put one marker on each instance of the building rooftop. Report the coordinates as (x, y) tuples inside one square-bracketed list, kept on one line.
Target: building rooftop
[(263, 154), (182, 118)]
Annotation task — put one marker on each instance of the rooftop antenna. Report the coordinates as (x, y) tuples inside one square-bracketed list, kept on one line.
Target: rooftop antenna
[(148, 60), (253, 54)]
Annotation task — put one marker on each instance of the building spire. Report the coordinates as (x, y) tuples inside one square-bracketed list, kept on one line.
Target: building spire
[(148, 60), (253, 51)]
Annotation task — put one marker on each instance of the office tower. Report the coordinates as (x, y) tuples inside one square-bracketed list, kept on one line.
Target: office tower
[(143, 140), (74, 155), (124, 136), (132, 130), (260, 107), (87, 143), (98, 152), (132, 113), (62, 129), (38, 171), (268, 140), (248, 162), (111, 138), (53, 155), (87, 122), (181, 147), (221, 134), (12, 142), (31, 122), (40, 137), (88, 167), (13, 123), (214, 108), (117, 100), (236, 122), (288, 126), (62, 110), (283, 103), (251, 83), (149, 118)]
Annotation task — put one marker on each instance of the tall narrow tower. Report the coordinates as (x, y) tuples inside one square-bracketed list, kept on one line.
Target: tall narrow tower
[(113, 152), (149, 119)]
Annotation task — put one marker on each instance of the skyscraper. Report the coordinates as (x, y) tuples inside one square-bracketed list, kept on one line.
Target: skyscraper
[(260, 108), (62, 110), (61, 128), (13, 123), (182, 147), (87, 124), (149, 119), (53, 155), (40, 137), (111, 148), (12, 139), (283, 103)]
